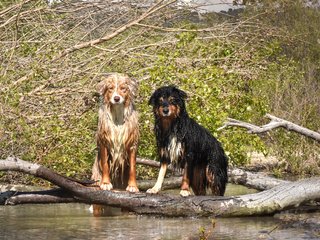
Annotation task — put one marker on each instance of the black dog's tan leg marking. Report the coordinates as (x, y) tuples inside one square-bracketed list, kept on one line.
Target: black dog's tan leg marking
[(185, 185), (157, 187), (132, 183), (105, 183)]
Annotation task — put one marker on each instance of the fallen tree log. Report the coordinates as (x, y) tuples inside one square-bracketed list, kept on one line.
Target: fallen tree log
[(259, 181), (48, 196), (270, 201)]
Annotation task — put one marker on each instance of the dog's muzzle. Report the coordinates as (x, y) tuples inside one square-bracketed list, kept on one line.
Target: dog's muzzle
[(165, 111), (116, 99)]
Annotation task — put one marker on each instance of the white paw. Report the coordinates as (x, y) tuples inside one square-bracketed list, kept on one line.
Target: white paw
[(185, 193), (153, 190), (91, 209), (106, 186), (132, 189)]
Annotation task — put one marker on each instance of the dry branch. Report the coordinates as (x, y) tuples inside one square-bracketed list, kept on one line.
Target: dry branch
[(274, 123), (267, 202), (118, 31)]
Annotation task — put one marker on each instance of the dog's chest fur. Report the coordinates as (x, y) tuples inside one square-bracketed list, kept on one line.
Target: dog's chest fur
[(113, 132), (173, 150), (118, 132)]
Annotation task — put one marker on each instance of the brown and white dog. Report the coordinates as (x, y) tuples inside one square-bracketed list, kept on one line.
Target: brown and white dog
[(117, 135)]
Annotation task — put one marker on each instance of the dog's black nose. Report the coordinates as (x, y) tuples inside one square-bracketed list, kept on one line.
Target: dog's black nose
[(165, 110), (116, 98)]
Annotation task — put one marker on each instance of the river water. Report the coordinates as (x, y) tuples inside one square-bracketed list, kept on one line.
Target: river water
[(74, 221)]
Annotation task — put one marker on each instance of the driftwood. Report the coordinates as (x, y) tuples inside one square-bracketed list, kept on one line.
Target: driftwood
[(274, 123), (284, 196), (259, 181)]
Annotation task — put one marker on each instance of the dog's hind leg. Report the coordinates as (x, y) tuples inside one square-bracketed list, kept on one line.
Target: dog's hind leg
[(199, 180), (215, 182), (96, 170)]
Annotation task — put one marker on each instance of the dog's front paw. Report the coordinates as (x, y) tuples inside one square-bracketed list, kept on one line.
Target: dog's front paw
[(185, 193), (106, 186), (153, 190), (132, 189)]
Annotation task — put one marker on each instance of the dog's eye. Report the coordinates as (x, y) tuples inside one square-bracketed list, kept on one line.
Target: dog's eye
[(123, 89), (110, 89), (171, 100)]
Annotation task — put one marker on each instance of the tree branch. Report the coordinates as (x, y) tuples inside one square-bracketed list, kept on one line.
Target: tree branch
[(118, 31), (274, 123)]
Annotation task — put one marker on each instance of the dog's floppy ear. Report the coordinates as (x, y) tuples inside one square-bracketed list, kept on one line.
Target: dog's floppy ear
[(101, 87), (152, 100), (181, 93), (133, 85)]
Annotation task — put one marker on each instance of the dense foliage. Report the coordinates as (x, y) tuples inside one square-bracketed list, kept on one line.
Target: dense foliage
[(266, 59)]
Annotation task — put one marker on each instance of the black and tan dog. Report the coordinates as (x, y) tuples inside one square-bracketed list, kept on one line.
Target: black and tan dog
[(187, 145)]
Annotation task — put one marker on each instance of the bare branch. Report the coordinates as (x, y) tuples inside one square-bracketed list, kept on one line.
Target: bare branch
[(273, 124), (121, 29)]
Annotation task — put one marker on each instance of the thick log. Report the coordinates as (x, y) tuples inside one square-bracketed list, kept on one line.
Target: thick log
[(267, 202), (41, 197)]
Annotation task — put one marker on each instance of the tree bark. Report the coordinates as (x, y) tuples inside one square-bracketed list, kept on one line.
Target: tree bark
[(259, 181), (274, 123), (50, 196), (281, 197)]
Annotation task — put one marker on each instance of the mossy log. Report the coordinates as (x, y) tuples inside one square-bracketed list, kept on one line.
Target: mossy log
[(288, 195)]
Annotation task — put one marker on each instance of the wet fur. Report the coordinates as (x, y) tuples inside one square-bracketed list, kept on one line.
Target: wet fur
[(187, 145), (117, 130)]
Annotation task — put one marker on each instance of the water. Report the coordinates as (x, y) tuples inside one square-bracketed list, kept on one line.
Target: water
[(74, 221), (212, 5)]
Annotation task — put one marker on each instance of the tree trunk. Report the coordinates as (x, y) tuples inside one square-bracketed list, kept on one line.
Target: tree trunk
[(281, 197)]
